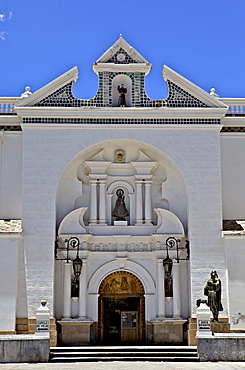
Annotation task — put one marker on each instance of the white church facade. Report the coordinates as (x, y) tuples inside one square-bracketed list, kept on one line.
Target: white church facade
[(116, 209)]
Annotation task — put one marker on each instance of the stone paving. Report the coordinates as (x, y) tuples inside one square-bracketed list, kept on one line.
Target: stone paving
[(127, 366)]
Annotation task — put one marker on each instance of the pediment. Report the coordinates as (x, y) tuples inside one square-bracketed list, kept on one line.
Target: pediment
[(55, 89), (181, 90), (121, 47)]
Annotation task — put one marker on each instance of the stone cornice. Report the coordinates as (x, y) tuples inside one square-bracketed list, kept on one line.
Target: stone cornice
[(111, 67), (9, 120), (122, 113)]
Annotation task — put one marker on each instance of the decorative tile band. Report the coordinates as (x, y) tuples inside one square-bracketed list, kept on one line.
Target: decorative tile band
[(233, 129), (10, 128), (123, 121)]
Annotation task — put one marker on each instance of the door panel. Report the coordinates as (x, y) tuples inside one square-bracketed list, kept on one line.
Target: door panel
[(129, 326)]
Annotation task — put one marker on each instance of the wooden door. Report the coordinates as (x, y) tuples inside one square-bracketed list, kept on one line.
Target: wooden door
[(129, 326)]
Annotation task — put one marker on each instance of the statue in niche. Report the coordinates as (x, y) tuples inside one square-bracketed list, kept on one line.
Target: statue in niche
[(122, 99), (168, 284), (213, 291), (120, 210), (168, 287), (74, 288)]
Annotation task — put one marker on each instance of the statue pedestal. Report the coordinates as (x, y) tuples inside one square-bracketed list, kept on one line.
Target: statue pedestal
[(120, 223), (203, 321)]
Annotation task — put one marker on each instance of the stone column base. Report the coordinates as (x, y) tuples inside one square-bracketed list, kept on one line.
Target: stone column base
[(168, 331), (75, 332)]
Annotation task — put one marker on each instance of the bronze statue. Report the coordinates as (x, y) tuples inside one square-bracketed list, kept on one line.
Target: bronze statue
[(122, 91), (213, 291), (120, 210)]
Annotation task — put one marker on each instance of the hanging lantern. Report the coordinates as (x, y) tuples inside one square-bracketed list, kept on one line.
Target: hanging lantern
[(167, 265), (77, 266)]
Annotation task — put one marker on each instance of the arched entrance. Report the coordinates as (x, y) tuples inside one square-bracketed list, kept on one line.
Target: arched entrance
[(121, 309)]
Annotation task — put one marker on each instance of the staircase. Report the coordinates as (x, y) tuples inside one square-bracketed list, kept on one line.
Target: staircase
[(124, 353)]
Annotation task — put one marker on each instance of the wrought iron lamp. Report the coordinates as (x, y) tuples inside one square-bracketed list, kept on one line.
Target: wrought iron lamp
[(173, 243), (77, 263), (77, 266), (167, 265)]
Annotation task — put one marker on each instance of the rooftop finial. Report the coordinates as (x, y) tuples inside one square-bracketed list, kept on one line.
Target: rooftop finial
[(120, 35), (27, 92), (213, 92)]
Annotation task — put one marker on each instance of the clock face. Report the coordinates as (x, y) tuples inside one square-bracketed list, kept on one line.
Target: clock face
[(120, 57)]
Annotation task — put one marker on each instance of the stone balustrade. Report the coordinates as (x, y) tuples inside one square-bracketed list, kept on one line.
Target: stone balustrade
[(7, 105), (236, 106)]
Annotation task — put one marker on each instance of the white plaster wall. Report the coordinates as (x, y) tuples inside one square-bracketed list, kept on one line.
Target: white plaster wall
[(9, 250), (195, 152), (233, 175), (235, 257), (11, 175)]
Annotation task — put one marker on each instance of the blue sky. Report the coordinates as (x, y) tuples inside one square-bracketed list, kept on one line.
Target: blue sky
[(202, 40)]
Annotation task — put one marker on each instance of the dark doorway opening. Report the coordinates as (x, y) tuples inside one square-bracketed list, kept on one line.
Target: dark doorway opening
[(121, 309)]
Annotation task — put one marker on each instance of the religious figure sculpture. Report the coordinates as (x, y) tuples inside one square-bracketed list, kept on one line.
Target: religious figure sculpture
[(122, 91), (213, 291), (120, 210)]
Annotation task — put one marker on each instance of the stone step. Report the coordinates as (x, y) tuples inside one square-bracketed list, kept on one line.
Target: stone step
[(134, 358), (123, 353), (124, 348)]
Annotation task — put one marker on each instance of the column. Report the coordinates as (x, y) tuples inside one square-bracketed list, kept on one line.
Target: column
[(93, 202), (82, 310), (67, 291), (139, 210), (148, 219), (176, 290), (102, 207), (160, 289)]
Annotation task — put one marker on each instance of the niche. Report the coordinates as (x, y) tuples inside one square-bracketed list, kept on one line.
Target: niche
[(127, 83)]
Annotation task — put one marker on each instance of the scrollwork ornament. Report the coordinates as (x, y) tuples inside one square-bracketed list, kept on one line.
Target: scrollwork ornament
[(73, 242), (171, 242)]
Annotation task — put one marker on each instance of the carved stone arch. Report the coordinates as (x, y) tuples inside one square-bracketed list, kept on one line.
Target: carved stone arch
[(120, 183), (121, 282), (130, 266), (129, 199)]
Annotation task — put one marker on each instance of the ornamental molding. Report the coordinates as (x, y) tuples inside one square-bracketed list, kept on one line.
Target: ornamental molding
[(191, 88), (111, 67), (122, 112)]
